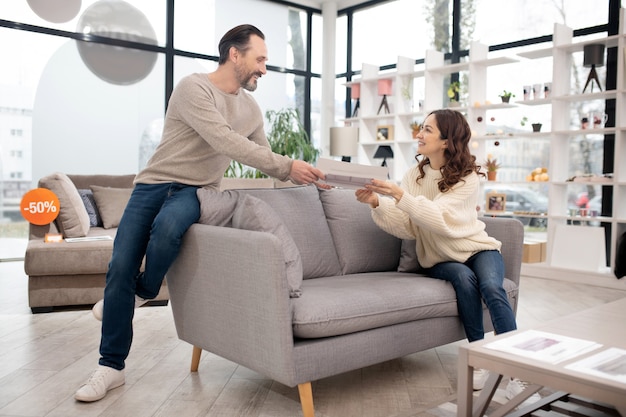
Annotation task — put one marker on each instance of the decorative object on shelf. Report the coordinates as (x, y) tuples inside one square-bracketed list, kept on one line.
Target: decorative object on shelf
[(598, 119), (416, 128), (593, 57), (384, 152), (407, 95), (496, 202), (384, 133), (384, 89), (523, 121), (537, 91), (355, 94), (344, 142), (584, 123), (536, 127), (526, 90), (547, 89), (492, 165), (505, 96), (538, 175), (453, 93)]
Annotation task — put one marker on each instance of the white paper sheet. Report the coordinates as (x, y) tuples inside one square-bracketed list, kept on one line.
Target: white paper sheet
[(348, 175), (542, 346), (87, 239), (610, 363)]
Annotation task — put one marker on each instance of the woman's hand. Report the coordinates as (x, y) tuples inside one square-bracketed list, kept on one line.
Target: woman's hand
[(367, 197), (385, 188)]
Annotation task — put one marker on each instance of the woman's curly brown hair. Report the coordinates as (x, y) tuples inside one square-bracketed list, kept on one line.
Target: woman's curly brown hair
[(459, 161)]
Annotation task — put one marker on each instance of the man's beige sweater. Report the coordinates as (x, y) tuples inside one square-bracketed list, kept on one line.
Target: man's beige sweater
[(445, 226), (204, 129)]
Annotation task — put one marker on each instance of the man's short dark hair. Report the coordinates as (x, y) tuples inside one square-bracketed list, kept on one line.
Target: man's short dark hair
[(239, 37)]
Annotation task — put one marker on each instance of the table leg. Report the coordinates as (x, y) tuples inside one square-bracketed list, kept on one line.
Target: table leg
[(464, 384)]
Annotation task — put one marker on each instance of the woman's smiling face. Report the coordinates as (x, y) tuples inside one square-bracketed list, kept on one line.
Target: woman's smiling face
[(429, 141)]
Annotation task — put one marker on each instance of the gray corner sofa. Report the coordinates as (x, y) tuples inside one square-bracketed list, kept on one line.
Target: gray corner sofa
[(361, 299), (73, 274)]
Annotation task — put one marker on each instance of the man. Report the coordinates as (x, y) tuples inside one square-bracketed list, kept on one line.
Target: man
[(210, 120)]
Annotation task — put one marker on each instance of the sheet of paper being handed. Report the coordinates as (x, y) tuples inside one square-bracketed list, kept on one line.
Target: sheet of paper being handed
[(341, 174)]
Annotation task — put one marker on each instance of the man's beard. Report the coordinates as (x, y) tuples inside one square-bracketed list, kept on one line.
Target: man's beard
[(247, 81)]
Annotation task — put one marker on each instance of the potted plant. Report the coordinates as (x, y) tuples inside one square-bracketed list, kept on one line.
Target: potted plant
[(536, 127), (492, 165), (453, 93), (416, 127), (286, 136), (506, 96)]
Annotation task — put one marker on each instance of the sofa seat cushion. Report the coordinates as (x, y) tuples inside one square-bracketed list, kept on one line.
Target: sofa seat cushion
[(334, 306), (65, 258)]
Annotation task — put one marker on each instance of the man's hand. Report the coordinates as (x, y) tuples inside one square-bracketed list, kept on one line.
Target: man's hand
[(304, 173)]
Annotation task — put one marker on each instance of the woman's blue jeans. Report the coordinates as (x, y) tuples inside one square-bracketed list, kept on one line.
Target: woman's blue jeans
[(154, 222), (480, 278)]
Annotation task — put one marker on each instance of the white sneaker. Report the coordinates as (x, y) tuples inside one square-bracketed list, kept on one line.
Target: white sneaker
[(515, 386), (98, 308), (101, 381), (480, 378)]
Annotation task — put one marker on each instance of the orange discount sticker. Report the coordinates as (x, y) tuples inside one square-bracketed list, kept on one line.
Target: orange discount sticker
[(40, 206)]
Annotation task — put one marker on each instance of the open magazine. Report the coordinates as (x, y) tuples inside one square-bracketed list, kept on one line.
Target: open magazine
[(348, 175), (542, 346)]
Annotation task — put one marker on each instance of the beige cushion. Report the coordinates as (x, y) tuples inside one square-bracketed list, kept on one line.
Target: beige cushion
[(111, 203), (73, 220)]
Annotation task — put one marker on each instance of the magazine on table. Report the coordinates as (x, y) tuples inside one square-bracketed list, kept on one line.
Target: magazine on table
[(609, 363), (542, 346)]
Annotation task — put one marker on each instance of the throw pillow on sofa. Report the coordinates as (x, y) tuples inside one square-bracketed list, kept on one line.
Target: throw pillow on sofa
[(73, 220), (111, 203), (255, 214), (242, 211), (92, 209)]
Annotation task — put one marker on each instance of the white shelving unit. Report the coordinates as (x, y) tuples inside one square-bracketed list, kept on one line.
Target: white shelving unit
[(559, 135)]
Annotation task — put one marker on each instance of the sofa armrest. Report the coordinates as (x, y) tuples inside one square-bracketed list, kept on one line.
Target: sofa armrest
[(511, 233), (229, 295)]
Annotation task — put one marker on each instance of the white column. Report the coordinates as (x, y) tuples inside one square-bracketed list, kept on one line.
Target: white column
[(327, 111)]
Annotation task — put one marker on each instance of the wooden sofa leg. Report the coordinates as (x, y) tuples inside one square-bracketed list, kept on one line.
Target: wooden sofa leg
[(306, 399), (195, 358)]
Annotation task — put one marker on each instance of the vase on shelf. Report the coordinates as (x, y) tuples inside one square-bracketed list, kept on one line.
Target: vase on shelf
[(491, 175)]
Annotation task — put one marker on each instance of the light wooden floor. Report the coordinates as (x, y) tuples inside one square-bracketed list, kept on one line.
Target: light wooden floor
[(44, 358)]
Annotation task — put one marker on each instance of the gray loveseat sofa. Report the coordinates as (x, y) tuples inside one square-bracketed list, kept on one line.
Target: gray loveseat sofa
[(73, 274), (359, 300)]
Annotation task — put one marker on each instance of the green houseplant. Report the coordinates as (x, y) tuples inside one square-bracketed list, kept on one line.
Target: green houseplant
[(492, 165), (286, 136), (453, 93), (506, 96)]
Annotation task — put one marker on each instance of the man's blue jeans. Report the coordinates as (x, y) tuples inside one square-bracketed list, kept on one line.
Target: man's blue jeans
[(479, 278), (154, 222)]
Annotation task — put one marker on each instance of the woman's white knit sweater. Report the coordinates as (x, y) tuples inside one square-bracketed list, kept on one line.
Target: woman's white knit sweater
[(445, 226)]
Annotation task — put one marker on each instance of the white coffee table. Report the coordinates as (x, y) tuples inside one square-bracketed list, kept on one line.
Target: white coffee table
[(605, 324)]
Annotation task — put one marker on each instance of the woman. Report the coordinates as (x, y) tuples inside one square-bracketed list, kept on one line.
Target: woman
[(436, 206)]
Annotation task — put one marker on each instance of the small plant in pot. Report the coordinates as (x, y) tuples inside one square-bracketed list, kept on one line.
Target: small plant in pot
[(416, 128), (454, 90), (492, 165), (506, 96)]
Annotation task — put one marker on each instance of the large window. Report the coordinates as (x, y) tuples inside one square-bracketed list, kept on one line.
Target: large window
[(97, 107)]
